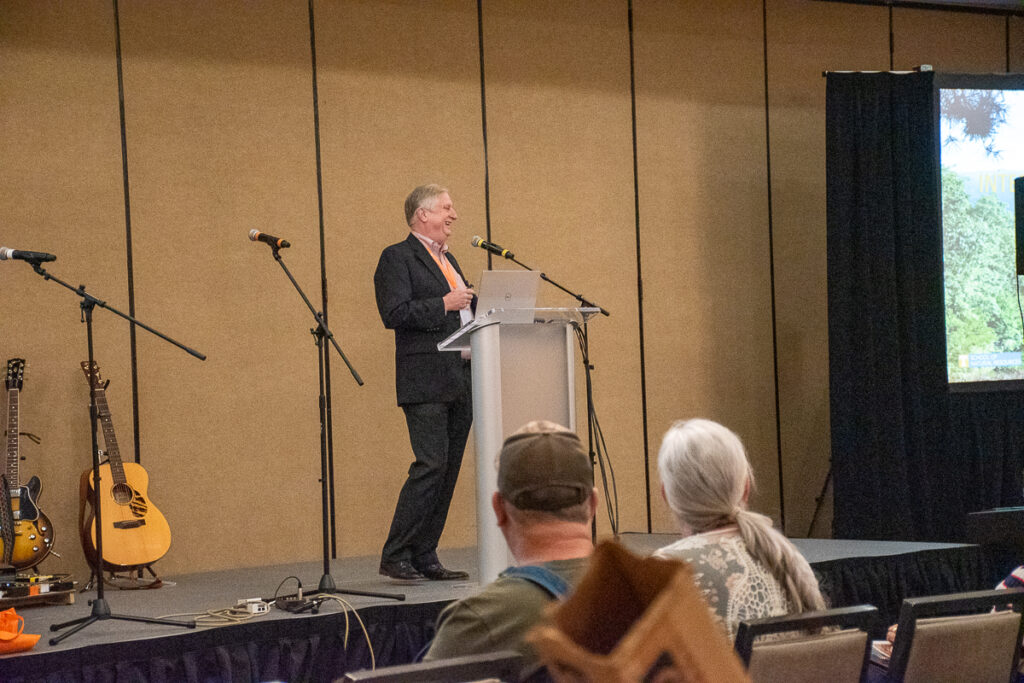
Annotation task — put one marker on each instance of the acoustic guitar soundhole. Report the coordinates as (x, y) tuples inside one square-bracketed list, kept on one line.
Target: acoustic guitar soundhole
[(122, 494)]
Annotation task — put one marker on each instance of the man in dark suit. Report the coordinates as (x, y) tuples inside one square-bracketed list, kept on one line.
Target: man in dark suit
[(422, 296)]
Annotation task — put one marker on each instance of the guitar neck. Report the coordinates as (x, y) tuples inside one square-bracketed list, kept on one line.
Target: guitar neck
[(11, 469), (107, 424)]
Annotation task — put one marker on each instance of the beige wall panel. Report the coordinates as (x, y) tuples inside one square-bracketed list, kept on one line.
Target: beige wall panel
[(399, 86), (704, 227), (974, 43), (805, 39), (220, 141), (1016, 44), (62, 181), (561, 170)]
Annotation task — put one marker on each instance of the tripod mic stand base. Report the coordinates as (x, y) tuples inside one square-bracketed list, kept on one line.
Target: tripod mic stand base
[(327, 585), (101, 612)]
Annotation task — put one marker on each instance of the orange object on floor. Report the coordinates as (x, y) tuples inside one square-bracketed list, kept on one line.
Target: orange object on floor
[(12, 636)]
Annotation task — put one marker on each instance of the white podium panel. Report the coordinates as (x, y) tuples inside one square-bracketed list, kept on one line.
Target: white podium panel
[(521, 372)]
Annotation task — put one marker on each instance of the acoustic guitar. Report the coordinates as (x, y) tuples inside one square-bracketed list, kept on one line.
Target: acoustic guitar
[(32, 532), (135, 532)]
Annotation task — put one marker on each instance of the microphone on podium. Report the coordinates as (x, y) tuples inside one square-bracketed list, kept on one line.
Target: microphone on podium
[(492, 247)]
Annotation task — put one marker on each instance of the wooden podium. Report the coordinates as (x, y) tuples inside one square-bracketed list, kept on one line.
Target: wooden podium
[(523, 370)]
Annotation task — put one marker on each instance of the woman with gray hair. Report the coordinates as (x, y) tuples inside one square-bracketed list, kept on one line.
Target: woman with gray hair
[(744, 567)]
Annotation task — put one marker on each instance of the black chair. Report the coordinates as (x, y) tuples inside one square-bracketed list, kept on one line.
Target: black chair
[(504, 665), (959, 637), (832, 645)]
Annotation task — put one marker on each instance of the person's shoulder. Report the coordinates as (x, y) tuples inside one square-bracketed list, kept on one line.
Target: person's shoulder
[(572, 567), (401, 246), (495, 601), (684, 548)]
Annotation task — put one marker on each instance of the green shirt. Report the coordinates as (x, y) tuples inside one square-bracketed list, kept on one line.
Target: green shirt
[(498, 617)]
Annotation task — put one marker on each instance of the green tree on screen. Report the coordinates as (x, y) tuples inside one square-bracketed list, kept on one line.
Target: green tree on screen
[(980, 278)]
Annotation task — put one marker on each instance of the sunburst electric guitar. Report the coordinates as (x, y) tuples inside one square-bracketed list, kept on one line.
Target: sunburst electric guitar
[(6, 525), (32, 534), (135, 533)]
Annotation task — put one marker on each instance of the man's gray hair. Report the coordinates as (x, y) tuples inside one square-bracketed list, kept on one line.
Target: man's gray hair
[(424, 196)]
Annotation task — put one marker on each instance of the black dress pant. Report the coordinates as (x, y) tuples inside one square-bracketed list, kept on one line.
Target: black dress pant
[(438, 433)]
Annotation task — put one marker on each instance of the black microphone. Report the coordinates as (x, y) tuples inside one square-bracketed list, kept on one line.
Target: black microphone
[(257, 236), (31, 256), (491, 247)]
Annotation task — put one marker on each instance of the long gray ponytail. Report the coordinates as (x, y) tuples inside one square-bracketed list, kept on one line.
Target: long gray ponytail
[(705, 472)]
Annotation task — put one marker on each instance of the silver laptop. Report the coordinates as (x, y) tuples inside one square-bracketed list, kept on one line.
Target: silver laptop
[(514, 291)]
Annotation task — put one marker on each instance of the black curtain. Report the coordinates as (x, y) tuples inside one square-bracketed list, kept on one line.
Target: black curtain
[(909, 458)]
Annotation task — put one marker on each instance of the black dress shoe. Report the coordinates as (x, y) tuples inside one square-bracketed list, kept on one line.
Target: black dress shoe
[(438, 572), (401, 570)]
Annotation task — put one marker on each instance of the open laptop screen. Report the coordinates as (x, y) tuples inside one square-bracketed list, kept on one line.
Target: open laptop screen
[(512, 290)]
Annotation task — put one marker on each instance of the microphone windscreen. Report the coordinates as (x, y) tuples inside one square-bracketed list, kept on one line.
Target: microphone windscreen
[(476, 240), (254, 234)]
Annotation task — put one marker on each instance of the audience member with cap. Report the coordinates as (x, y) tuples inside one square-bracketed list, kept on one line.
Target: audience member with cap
[(544, 505), (744, 567)]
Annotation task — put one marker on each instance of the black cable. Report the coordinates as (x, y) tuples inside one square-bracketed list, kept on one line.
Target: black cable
[(611, 495), (771, 275), (298, 586), (483, 124), (639, 274), (132, 346)]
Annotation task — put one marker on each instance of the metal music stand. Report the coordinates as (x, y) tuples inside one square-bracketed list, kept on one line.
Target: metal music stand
[(100, 608)]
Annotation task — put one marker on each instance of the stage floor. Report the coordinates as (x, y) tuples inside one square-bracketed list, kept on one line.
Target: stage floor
[(896, 570), (202, 592)]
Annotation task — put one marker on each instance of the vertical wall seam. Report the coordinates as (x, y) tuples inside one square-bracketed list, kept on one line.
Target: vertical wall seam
[(892, 42), (771, 269), (329, 426), (133, 349), (1007, 43), (483, 124), (639, 268)]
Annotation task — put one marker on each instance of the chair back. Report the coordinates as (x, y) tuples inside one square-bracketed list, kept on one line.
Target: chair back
[(958, 637), (828, 654), (503, 665)]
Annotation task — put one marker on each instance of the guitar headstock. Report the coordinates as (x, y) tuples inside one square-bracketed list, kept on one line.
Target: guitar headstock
[(15, 373), (92, 373)]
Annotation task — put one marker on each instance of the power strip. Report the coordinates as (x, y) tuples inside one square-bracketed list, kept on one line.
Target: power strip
[(253, 605)]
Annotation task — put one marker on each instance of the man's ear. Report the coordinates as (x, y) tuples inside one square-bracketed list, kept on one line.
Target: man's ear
[(746, 493), (592, 502), (498, 504)]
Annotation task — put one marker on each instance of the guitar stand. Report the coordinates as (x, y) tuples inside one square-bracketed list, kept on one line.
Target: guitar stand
[(133, 581), (100, 608)]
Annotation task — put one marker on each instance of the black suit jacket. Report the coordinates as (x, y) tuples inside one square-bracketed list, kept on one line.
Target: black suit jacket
[(410, 290)]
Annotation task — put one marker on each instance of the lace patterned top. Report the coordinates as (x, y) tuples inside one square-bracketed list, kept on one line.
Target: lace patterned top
[(736, 586)]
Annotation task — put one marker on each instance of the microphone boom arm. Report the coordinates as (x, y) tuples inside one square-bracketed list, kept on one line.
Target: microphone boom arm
[(90, 300), (579, 297)]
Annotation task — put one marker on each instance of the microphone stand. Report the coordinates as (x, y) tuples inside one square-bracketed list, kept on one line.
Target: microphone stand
[(587, 368), (321, 332), (100, 608)]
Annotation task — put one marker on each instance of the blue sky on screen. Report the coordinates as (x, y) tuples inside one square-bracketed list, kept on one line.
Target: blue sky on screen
[(984, 173)]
